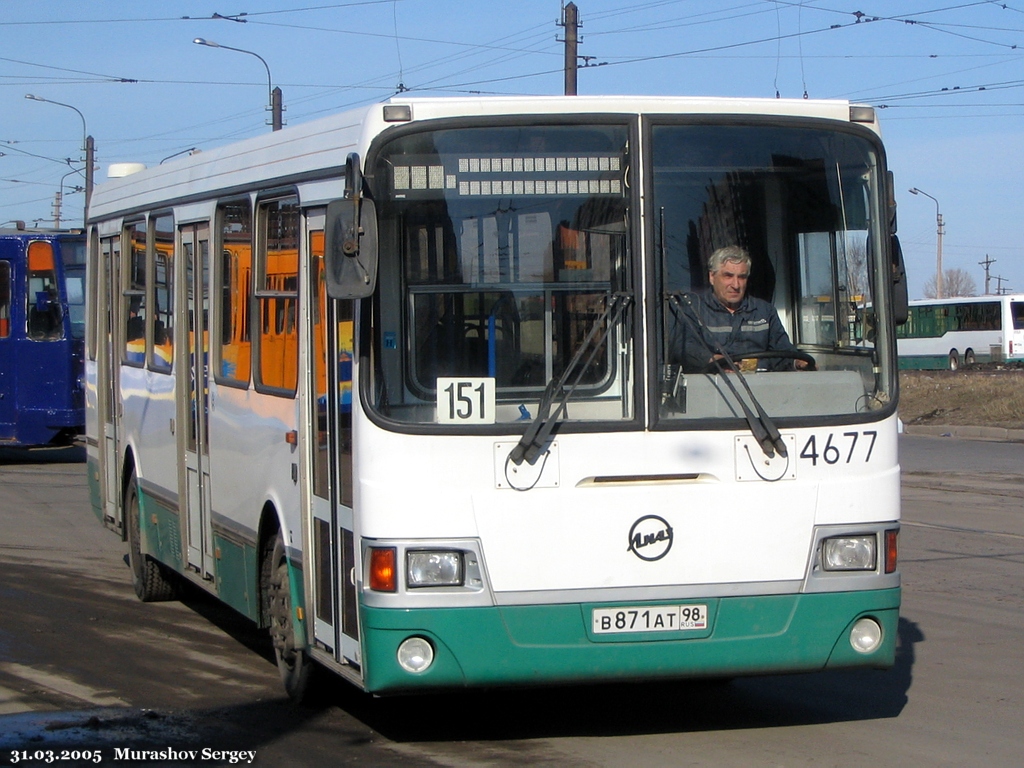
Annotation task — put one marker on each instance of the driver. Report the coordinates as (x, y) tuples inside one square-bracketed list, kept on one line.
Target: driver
[(742, 325)]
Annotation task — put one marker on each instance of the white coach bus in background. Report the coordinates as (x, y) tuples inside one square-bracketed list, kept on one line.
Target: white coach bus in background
[(948, 333)]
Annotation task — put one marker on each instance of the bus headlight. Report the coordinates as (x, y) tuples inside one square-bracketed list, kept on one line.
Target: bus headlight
[(434, 568), (415, 654), (849, 553)]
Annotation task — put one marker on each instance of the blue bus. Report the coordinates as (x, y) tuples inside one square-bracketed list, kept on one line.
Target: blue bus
[(42, 332)]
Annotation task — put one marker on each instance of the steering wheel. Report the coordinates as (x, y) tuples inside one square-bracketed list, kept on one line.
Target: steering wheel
[(789, 354)]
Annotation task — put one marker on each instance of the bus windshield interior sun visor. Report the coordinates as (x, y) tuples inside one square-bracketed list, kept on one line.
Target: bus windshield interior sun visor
[(532, 443), (761, 426)]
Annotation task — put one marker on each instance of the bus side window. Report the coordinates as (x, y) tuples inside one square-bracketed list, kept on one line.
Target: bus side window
[(134, 299), (163, 292), (43, 301), (277, 296), (232, 294)]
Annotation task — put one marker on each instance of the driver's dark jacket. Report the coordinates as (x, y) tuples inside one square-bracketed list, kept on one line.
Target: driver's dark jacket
[(753, 327)]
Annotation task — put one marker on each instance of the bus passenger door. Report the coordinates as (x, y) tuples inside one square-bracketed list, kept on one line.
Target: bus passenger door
[(195, 244), (108, 386), (333, 547)]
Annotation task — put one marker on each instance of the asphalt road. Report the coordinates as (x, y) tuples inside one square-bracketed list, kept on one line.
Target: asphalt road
[(85, 666)]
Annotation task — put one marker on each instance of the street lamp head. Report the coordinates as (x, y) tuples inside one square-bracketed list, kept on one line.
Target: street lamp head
[(275, 100), (33, 97), (915, 191)]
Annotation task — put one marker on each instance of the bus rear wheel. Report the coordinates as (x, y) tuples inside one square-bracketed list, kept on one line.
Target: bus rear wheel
[(152, 584), (954, 360), (297, 669)]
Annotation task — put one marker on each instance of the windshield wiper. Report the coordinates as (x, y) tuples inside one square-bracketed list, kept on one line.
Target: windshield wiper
[(761, 426), (536, 436)]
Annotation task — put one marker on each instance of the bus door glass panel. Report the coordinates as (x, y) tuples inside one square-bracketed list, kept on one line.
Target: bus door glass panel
[(43, 308), (92, 312), (196, 252), (5, 299), (163, 292), (233, 267), (804, 203), (73, 257), (334, 544), (507, 247), (134, 309), (277, 296), (74, 284), (108, 380), (7, 380)]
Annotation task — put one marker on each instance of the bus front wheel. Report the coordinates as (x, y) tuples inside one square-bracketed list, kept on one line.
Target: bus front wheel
[(296, 667), (152, 584)]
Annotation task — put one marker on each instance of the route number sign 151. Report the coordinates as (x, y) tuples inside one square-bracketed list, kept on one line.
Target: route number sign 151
[(465, 400)]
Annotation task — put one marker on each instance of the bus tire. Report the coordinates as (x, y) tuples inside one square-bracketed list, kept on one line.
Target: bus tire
[(297, 669), (149, 579), (969, 357), (954, 360)]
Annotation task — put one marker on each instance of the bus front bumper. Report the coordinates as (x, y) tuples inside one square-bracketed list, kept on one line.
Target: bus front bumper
[(557, 644)]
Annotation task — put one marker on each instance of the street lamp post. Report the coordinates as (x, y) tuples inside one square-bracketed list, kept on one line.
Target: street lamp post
[(938, 247), (276, 107), (88, 148)]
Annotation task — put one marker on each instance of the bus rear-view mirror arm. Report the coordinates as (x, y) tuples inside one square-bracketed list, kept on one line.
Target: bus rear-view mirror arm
[(900, 298)]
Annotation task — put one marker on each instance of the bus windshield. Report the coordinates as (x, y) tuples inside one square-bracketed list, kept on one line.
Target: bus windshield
[(803, 203), (503, 252)]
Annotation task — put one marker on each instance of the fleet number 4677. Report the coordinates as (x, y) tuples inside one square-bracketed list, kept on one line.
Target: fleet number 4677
[(845, 447)]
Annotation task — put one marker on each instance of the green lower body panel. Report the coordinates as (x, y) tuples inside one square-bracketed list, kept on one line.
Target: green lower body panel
[(547, 644), (935, 363), (236, 576), (92, 470), (160, 528)]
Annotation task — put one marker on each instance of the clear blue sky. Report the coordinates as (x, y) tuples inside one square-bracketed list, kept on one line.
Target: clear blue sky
[(949, 75)]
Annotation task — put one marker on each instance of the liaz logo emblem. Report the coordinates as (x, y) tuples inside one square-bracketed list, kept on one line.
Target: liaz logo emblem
[(650, 538)]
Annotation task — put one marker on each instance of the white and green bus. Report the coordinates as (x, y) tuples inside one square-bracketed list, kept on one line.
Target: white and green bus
[(400, 385), (948, 333)]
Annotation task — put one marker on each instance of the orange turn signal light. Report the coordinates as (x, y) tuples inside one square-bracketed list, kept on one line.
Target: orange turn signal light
[(383, 573), (891, 550)]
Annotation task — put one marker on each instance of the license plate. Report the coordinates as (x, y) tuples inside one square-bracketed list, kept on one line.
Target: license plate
[(660, 618)]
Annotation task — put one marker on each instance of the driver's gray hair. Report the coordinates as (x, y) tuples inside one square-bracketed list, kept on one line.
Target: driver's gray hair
[(730, 253)]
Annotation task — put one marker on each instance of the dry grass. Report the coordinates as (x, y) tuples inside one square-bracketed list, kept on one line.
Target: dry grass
[(968, 398)]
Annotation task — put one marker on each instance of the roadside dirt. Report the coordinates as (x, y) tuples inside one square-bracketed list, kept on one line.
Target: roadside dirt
[(983, 396)]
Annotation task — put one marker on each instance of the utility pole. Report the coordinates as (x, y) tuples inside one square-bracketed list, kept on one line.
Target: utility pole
[(90, 158), (571, 22), (57, 198), (988, 262), (999, 285), (276, 109)]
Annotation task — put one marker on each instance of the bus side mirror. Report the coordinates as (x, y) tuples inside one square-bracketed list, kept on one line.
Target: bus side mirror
[(900, 300), (350, 239)]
